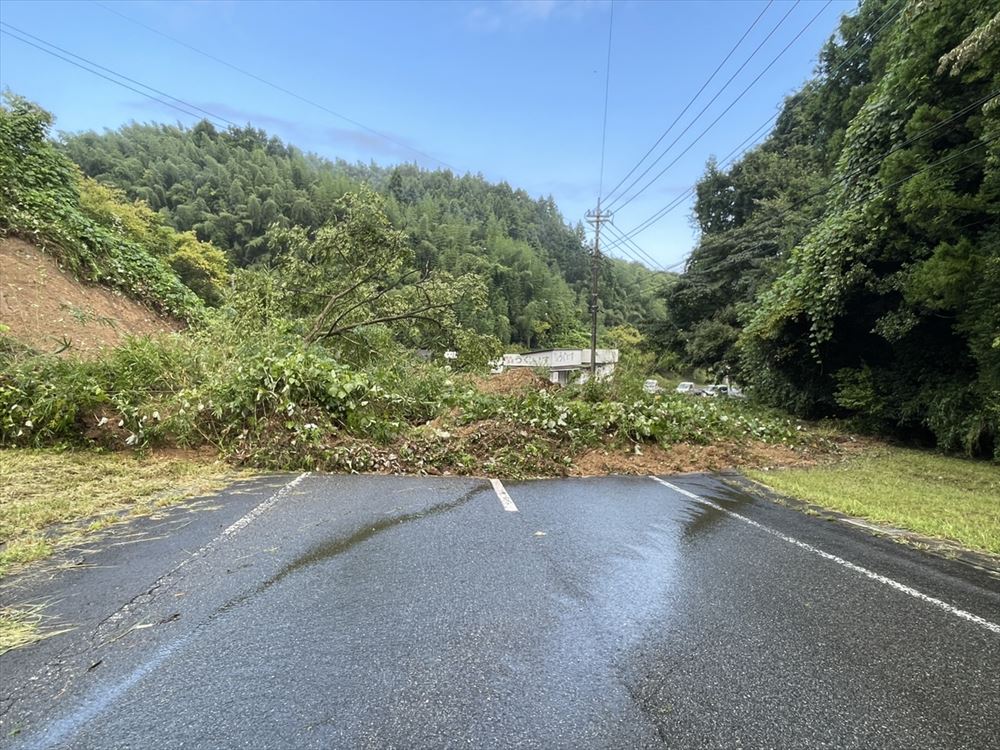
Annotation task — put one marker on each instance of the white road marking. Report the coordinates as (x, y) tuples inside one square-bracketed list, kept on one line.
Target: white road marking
[(259, 510), (59, 730), (982, 622), (504, 498), (168, 578)]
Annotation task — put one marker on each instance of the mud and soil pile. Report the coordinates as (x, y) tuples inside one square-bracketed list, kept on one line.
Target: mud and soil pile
[(46, 309)]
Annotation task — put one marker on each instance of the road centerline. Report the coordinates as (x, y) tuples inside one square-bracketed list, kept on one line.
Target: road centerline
[(902, 587), (503, 496)]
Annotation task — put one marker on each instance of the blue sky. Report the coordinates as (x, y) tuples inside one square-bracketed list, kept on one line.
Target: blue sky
[(511, 90)]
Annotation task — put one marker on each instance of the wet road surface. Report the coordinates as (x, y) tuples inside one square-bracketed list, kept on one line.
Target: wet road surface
[(383, 612)]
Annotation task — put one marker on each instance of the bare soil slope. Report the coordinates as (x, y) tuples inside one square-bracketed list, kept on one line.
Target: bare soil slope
[(44, 306)]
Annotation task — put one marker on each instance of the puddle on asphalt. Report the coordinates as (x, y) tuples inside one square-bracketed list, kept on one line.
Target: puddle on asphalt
[(633, 598), (704, 517), (718, 491), (333, 547)]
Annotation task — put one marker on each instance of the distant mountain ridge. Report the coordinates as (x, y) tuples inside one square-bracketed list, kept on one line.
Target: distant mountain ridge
[(229, 187)]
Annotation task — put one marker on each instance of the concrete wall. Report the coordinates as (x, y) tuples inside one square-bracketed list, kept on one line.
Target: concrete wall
[(565, 366)]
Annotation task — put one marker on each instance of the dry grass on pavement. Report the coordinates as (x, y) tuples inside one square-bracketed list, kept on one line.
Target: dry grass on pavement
[(40, 490), (20, 626), (45, 493)]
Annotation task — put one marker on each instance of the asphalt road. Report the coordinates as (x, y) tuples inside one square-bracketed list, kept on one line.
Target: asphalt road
[(382, 612)]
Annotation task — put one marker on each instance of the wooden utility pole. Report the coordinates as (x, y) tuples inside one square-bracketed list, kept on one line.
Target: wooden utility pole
[(596, 217)]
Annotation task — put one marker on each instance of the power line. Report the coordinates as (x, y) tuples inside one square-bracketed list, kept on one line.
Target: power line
[(702, 89), (637, 252), (945, 160), (672, 268), (628, 243), (674, 203), (844, 178), (607, 89), (627, 256), (866, 37), (860, 46), (598, 217), (738, 257), (878, 159), (276, 86), (879, 190), (188, 111), (724, 112), (730, 260), (645, 283)]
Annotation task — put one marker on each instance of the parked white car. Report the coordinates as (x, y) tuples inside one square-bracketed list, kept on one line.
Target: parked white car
[(651, 386), (686, 388), (721, 389)]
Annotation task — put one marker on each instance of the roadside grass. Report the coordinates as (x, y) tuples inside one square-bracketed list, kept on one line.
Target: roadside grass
[(939, 496), (44, 493)]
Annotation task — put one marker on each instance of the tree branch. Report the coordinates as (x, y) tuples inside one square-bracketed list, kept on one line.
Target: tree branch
[(366, 301), (331, 303), (387, 319)]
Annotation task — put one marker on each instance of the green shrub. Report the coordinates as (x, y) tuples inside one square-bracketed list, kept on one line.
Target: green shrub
[(201, 266), (665, 419), (45, 199), (111, 208)]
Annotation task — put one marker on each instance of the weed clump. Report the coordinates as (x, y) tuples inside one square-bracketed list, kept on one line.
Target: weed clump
[(264, 397)]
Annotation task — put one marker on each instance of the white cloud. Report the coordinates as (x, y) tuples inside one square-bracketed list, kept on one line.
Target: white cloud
[(511, 15), (305, 135)]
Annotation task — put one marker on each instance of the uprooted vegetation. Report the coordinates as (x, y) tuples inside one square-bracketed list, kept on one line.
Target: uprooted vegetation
[(306, 360), (51, 501), (44, 495), (266, 398)]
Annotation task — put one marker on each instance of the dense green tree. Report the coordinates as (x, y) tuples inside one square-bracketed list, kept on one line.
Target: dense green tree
[(358, 272), (230, 187), (849, 264)]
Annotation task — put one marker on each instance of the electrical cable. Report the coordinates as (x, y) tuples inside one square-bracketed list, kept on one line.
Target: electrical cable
[(607, 89), (276, 87), (721, 114), (867, 38), (840, 180), (643, 257), (737, 257), (694, 98), (709, 104), (115, 81)]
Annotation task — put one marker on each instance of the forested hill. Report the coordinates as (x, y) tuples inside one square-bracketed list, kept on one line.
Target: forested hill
[(850, 264), (230, 187)]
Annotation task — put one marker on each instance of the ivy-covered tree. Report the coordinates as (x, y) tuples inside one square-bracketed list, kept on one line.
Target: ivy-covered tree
[(849, 264)]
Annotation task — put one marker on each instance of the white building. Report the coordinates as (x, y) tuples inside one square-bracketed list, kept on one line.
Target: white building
[(564, 366)]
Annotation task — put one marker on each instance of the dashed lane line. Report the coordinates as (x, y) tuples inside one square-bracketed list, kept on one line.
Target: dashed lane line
[(502, 495), (976, 619)]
